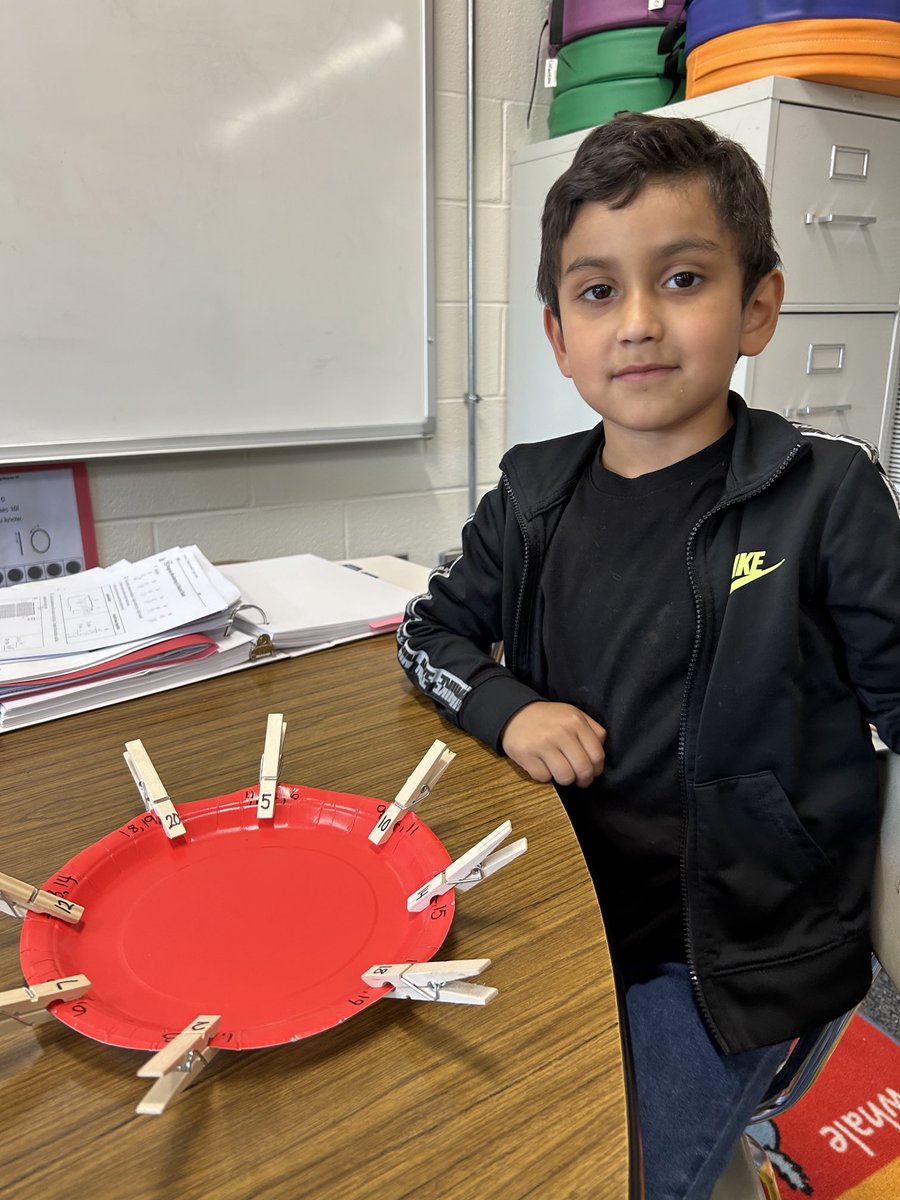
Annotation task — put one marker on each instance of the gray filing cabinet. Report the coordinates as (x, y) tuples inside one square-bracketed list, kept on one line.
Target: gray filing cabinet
[(831, 160)]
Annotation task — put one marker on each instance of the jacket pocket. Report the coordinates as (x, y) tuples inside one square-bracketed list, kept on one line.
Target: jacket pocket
[(759, 887)]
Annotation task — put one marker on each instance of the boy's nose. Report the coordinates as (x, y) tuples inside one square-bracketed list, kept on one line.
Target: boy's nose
[(638, 318)]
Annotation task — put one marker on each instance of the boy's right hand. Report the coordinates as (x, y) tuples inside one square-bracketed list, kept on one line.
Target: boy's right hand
[(555, 743)]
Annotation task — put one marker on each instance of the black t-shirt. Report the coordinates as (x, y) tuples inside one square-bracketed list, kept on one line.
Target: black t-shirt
[(619, 625)]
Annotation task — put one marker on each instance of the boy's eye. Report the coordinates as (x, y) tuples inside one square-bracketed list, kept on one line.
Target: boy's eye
[(683, 280), (597, 291)]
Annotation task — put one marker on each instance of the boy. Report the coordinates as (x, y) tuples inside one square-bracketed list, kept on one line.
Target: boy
[(699, 605)]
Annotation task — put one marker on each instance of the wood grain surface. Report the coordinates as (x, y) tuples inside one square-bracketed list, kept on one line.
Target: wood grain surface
[(524, 1098)]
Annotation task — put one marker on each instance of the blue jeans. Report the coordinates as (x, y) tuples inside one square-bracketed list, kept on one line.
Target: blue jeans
[(693, 1102)]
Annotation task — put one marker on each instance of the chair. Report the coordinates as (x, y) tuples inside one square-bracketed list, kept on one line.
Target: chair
[(750, 1175)]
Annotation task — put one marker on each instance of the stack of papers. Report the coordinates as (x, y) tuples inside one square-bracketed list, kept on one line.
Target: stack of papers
[(111, 634), (91, 630), (230, 654)]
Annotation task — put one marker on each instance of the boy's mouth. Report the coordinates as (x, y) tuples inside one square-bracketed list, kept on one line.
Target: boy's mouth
[(642, 372)]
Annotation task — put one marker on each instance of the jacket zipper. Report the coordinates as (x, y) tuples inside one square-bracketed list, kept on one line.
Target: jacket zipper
[(520, 600), (682, 737)]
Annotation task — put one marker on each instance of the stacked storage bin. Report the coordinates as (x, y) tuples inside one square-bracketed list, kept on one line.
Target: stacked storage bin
[(608, 59), (848, 43)]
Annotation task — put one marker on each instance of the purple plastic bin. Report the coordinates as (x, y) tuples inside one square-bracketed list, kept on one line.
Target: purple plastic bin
[(571, 19)]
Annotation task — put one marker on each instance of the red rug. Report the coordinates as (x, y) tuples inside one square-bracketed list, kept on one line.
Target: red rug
[(842, 1140)]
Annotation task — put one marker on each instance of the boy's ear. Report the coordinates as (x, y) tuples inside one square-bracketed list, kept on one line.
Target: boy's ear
[(553, 330), (761, 314)]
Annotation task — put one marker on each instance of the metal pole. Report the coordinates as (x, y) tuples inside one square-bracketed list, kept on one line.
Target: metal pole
[(471, 397)]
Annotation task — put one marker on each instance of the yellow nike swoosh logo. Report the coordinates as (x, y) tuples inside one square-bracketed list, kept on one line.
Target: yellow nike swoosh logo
[(742, 580)]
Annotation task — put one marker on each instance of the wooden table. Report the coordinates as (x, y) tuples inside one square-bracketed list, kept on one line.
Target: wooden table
[(524, 1098)]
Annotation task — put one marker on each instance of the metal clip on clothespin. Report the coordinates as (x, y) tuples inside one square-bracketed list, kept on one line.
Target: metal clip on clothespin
[(417, 788), (18, 897), (432, 981), (471, 868), (270, 766), (28, 1005), (153, 794), (178, 1064)]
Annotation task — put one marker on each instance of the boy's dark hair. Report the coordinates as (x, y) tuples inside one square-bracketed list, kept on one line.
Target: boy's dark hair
[(617, 159)]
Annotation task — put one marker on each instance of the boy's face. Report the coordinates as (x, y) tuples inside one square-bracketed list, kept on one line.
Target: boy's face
[(651, 321)]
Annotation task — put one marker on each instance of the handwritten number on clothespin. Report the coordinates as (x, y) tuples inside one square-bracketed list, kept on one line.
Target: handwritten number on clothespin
[(18, 897), (470, 868), (150, 786), (270, 766), (178, 1063), (435, 981), (416, 789), (29, 1004)]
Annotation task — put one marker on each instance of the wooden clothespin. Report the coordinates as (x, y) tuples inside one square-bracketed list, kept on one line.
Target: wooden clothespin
[(270, 766), (471, 868), (432, 981), (17, 898), (416, 789), (29, 1004), (149, 784), (178, 1064)]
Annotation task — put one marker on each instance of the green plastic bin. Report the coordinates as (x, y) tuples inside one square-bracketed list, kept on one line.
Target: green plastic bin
[(608, 72), (584, 107)]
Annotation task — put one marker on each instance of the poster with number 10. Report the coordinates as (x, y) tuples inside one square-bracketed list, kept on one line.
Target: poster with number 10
[(46, 524)]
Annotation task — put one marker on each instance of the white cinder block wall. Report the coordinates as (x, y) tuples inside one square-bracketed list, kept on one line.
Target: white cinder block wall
[(378, 498)]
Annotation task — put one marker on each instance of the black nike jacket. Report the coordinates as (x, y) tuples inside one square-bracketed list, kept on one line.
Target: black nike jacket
[(796, 579)]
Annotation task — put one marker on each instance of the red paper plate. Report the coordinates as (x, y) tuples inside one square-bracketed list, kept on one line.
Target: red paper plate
[(270, 924)]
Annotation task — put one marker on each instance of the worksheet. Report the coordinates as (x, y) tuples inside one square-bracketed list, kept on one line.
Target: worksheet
[(178, 589)]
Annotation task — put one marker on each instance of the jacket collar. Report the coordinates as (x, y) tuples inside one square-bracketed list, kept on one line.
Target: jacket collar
[(764, 444), (543, 473)]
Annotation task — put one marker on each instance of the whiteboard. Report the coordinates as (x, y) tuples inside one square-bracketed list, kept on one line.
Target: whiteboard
[(214, 224)]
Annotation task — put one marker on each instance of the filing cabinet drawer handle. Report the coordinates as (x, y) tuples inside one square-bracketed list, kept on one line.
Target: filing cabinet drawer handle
[(831, 357), (838, 219), (839, 156), (817, 411)]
